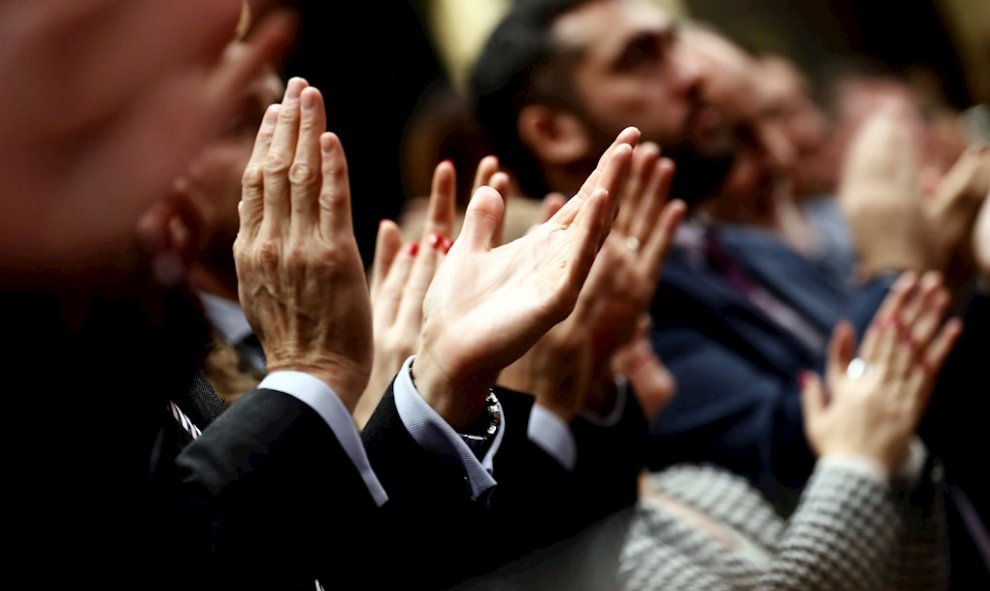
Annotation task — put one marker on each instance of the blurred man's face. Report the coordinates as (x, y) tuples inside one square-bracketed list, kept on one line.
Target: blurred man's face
[(215, 177), (104, 103), (632, 70), (765, 155), (803, 122)]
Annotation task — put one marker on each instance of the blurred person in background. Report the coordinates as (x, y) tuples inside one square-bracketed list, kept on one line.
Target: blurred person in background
[(555, 77)]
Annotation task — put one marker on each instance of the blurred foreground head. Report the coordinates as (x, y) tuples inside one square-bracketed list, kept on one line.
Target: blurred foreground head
[(105, 103)]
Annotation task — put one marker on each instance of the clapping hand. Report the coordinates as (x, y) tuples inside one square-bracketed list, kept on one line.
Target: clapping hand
[(575, 358), (402, 275), (877, 398), (300, 276), (488, 305)]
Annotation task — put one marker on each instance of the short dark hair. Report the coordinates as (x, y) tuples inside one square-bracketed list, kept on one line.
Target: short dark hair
[(521, 65)]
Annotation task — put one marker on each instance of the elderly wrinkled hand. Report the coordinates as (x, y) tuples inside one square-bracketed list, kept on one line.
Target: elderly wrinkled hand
[(300, 277)]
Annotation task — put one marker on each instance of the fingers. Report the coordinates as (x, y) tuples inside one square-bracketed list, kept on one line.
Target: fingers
[(607, 179), (335, 194), (253, 182), (922, 318), (551, 205), (657, 192), (641, 169), (500, 182), (659, 241), (443, 197), (941, 346), (591, 227), (410, 314), (279, 160), (483, 176), (921, 379), (388, 297), (387, 247), (813, 397), (304, 174), (840, 351), (889, 309), (482, 219), (623, 143)]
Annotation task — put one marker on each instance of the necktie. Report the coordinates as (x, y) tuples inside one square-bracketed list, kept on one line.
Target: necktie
[(184, 421)]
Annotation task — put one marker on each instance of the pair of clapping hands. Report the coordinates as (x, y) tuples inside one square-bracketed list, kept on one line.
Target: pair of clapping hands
[(564, 303)]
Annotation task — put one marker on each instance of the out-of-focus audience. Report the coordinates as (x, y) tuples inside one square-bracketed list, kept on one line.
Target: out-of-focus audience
[(683, 328)]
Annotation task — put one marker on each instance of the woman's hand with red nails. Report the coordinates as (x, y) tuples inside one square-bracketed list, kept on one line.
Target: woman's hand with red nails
[(873, 407)]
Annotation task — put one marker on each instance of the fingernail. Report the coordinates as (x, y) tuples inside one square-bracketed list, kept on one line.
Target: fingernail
[(309, 100), (447, 244), (802, 380), (413, 248), (296, 86), (436, 240)]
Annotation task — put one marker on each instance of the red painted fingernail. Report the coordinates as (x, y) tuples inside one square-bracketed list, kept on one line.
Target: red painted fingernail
[(436, 241), (413, 248), (802, 380), (447, 243)]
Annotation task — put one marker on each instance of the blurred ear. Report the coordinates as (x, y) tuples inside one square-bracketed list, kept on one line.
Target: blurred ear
[(557, 137)]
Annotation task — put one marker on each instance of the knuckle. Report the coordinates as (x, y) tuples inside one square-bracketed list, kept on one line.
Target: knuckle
[(331, 200), (268, 253), (276, 163), (303, 174), (253, 177)]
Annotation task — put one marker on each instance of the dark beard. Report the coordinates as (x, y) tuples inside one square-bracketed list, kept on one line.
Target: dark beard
[(699, 176)]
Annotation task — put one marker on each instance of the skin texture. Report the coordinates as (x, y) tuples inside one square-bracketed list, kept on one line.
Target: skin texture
[(574, 359), (875, 415), (299, 272), (128, 123), (487, 306), (402, 274)]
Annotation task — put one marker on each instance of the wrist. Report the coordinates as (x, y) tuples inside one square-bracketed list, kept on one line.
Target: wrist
[(347, 382), (459, 398)]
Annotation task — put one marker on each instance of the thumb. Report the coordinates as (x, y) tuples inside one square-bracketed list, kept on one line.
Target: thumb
[(482, 219)]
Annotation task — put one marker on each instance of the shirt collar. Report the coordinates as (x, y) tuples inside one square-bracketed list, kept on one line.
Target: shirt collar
[(227, 317)]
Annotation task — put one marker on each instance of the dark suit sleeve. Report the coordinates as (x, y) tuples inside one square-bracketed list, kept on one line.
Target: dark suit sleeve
[(276, 494), (432, 534)]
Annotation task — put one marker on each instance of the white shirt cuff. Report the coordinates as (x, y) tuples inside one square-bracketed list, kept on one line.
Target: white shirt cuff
[(618, 409), (316, 394), (433, 433), (551, 434)]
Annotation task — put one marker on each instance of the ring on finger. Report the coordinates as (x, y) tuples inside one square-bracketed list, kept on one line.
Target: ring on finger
[(857, 368), (632, 243)]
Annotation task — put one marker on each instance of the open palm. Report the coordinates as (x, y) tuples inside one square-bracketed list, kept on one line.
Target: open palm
[(487, 306)]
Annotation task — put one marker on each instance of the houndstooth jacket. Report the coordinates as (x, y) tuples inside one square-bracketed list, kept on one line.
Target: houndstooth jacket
[(849, 533)]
